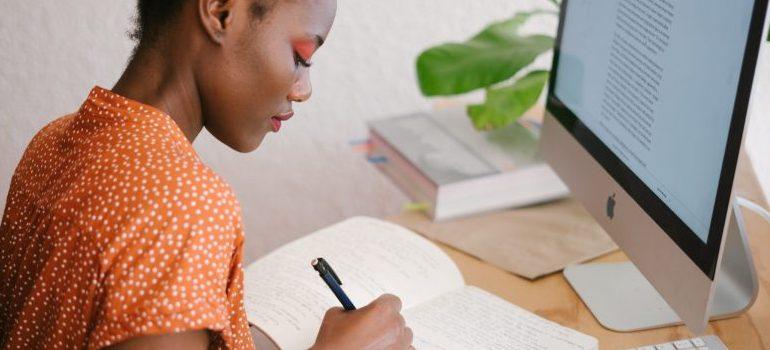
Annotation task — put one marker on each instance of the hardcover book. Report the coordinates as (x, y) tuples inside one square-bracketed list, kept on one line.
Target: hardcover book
[(440, 160)]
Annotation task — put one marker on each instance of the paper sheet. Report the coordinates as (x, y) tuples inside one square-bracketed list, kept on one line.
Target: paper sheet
[(530, 242), (286, 298), (470, 318)]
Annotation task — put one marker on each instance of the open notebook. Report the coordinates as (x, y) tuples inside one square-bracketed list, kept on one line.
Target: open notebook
[(286, 299)]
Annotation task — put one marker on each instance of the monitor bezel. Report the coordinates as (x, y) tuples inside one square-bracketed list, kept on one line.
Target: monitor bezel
[(703, 254)]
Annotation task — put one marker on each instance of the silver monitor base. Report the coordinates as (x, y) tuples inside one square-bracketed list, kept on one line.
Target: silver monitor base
[(622, 299)]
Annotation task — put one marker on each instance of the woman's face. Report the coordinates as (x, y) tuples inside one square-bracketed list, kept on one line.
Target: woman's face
[(249, 81)]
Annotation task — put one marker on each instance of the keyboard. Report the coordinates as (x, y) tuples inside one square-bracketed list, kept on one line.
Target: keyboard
[(708, 342)]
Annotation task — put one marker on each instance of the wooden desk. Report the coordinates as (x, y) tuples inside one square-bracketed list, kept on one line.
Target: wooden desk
[(552, 297)]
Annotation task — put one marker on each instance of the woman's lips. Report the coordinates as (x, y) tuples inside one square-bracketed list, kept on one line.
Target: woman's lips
[(285, 116), (276, 124), (276, 120)]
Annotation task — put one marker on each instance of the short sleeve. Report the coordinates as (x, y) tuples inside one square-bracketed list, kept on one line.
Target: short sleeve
[(174, 270)]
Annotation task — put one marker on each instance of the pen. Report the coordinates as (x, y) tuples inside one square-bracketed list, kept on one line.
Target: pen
[(333, 281)]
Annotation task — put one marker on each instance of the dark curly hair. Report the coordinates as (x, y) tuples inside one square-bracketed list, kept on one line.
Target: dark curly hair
[(153, 15)]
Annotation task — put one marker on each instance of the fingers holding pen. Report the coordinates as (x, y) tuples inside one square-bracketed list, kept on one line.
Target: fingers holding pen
[(378, 325)]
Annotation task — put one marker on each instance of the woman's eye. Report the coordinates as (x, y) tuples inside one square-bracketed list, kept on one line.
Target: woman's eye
[(298, 60)]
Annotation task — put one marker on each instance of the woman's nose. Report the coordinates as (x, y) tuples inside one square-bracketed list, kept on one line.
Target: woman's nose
[(302, 89)]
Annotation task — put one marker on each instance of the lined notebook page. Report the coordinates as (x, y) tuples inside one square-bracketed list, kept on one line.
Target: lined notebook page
[(470, 318), (287, 299)]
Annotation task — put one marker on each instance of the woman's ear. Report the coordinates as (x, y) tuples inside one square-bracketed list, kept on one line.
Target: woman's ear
[(216, 17)]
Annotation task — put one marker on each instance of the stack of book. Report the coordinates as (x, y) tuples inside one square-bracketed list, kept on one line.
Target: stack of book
[(439, 159)]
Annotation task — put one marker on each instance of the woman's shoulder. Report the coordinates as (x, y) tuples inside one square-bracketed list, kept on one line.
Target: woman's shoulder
[(174, 200), (168, 180), (178, 181), (50, 132), (157, 162)]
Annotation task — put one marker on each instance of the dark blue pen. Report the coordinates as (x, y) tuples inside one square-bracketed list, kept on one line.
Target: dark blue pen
[(333, 281)]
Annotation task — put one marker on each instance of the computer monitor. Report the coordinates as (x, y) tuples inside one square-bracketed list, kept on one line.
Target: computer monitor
[(645, 117)]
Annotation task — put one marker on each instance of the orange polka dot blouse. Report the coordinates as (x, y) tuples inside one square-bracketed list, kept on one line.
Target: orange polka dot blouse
[(114, 229)]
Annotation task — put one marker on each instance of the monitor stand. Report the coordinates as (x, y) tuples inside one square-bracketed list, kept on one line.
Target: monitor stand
[(622, 299)]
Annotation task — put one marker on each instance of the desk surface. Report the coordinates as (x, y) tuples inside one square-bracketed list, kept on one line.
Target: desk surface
[(552, 297)]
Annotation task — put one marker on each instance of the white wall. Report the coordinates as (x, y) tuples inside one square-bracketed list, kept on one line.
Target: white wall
[(52, 52)]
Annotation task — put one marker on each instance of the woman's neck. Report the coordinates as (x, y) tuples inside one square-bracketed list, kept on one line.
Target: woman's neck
[(165, 81)]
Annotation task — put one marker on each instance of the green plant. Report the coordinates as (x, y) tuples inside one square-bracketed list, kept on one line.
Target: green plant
[(489, 60)]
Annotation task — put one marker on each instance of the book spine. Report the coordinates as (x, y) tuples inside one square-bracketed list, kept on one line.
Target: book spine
[(410, 180)]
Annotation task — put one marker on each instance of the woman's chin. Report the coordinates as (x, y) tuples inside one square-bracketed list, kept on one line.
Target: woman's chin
[(245, 144), (241, 140)]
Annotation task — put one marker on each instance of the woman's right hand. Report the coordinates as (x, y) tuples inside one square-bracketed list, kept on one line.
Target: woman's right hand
[(378, 325)]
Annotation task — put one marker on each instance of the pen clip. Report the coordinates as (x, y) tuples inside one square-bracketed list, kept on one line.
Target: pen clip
[(322, 267)]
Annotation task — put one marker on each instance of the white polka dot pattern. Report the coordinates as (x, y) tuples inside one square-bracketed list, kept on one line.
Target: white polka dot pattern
[(115, 229)]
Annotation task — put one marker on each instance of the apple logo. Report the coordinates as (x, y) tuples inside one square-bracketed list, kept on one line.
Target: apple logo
[(611, 206)]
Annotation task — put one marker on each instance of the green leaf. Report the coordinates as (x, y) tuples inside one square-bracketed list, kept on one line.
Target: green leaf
[(491, 56), (504, 105)]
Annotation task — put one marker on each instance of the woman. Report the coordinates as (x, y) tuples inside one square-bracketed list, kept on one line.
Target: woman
[(115, 235)]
